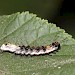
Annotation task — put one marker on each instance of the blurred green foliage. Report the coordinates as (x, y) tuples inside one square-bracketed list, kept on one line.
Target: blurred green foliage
[(42, 8)]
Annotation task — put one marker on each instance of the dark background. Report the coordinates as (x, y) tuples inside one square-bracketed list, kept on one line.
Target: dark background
[(60, 12)]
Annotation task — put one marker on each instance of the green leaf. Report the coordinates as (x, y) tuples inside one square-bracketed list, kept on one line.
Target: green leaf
[(27, 29)]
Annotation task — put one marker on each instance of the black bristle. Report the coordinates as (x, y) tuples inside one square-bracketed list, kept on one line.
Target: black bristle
[(59, 46), (44, 48), (26, 48), (53, 44), (6, 44), (38, 48)]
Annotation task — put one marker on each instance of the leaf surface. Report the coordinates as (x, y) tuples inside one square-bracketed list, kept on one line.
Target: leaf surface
[(27, 29)]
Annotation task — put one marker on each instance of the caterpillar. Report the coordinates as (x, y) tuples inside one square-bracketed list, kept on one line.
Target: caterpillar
[(27, 50)]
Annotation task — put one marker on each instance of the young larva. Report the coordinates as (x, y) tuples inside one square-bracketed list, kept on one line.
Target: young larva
[(27, 50)]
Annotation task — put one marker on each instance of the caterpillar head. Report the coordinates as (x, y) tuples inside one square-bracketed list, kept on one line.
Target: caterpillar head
[(56, 44)]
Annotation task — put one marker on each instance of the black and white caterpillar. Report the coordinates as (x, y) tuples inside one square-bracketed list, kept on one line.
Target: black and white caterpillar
[(27, 50)]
